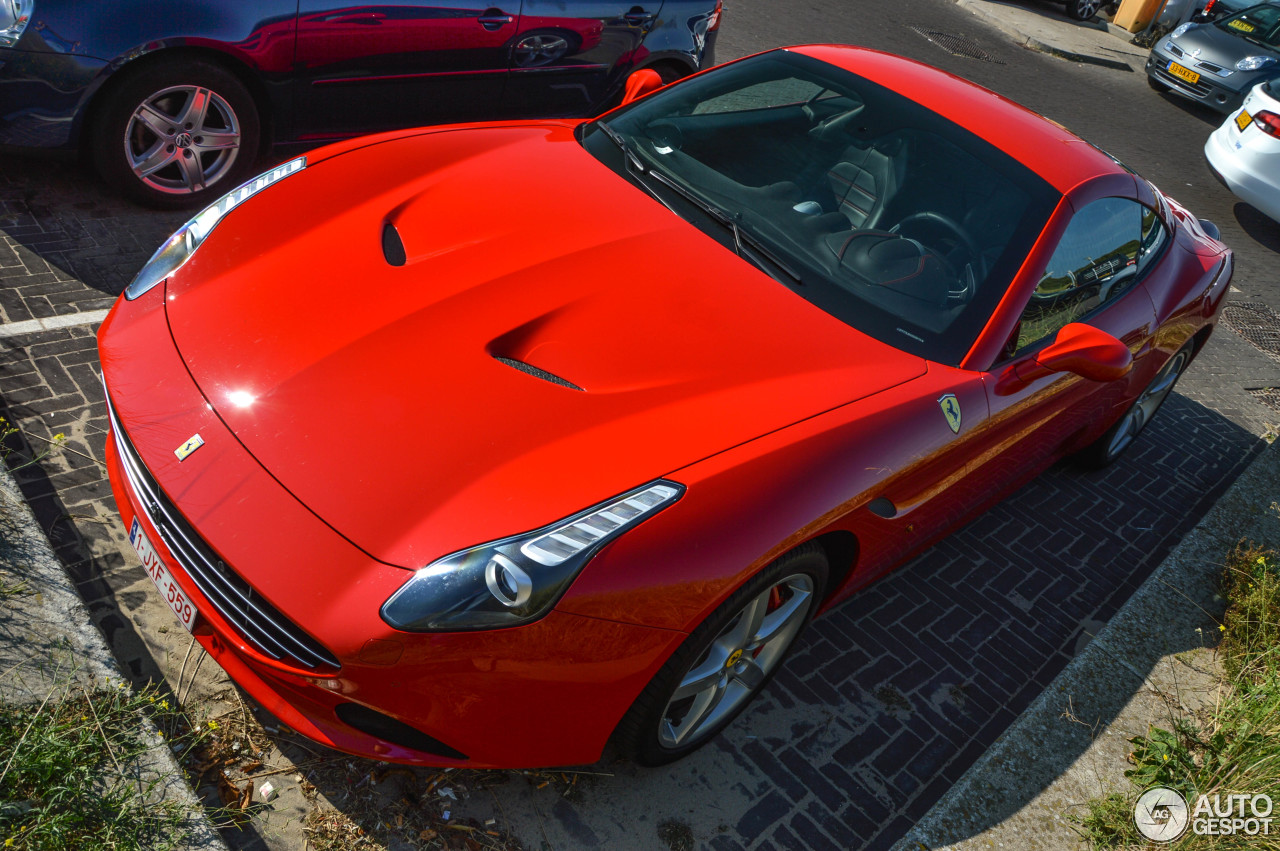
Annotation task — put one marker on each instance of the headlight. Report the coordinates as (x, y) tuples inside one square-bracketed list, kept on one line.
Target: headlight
[(1253, 63), (1181, 28), (178, 248), (14, 17), (518, 579)]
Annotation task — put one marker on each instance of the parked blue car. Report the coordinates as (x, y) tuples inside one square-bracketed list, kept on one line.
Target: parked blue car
[(174, 101)]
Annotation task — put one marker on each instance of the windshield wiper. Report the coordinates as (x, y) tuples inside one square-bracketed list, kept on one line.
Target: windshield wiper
[(632, 158), (756, 251)]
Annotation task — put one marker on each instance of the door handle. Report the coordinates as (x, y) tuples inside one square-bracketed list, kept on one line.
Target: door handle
[(494, 19), (638, 16), (368, 19)]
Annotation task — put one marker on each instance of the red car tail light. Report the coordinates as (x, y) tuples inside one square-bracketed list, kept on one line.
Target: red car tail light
[(1269, 123), (713, 22), (1208, 7)]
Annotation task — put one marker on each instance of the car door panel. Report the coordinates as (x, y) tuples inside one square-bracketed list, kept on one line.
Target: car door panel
[(366, 68), (584, 47)]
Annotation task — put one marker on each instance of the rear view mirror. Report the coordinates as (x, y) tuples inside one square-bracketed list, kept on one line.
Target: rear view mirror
[(1079, 349), (1088, 352), (640, 83)]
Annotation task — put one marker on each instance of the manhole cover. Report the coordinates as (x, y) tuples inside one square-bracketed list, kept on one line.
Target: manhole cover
[(1257, 323), (1269, 396), (957, 45)]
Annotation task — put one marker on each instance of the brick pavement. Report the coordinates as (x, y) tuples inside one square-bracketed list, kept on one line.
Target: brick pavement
[(887, 700)]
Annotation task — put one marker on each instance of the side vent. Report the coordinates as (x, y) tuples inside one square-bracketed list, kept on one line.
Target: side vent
[(537, 373), (392, 246)]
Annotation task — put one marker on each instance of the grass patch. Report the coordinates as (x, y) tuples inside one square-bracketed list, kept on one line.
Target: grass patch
[(64, 780), (1236, 748)]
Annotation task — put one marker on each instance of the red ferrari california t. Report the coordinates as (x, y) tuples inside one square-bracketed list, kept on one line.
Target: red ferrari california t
[(491, 445)]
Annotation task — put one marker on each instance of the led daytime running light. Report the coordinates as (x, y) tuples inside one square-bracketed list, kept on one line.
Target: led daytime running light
[(177, 250), (572, 538)]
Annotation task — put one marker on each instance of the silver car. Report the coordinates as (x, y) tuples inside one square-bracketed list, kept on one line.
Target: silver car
[(1218, 63)]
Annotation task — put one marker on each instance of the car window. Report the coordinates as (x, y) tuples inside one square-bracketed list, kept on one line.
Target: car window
[(1154, 237), (767, 95), (1096, 261), (1260, 25)]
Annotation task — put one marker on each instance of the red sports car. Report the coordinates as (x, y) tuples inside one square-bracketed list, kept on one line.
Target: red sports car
[(490, 445)]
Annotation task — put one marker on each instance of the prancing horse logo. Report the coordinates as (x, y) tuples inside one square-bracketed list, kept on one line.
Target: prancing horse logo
[(193, 443), (951, 410)]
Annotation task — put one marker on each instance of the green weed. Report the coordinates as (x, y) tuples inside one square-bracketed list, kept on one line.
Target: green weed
[(64, 775)]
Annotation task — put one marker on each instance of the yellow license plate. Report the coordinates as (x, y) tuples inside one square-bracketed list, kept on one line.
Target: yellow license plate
[(1243, 119), (1185, 73)]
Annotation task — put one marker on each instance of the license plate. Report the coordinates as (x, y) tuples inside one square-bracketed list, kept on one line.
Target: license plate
[(1243, 119), (1185, 73), (171, 591)]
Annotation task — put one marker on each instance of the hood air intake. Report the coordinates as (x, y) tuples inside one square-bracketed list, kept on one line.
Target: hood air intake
[(537, 373), (392, 245)]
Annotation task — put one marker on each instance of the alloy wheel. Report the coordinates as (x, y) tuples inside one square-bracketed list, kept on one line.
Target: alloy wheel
[(1148, 403), (737, 662), (182, 139)]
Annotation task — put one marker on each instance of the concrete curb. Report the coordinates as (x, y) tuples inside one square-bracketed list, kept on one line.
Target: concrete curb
[(981, 10), (1020, 790), (46, 638)]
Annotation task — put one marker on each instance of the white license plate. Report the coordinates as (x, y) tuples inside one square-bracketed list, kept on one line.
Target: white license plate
[(171, 591)]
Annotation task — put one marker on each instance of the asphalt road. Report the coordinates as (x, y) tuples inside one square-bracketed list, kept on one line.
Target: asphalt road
[(890, 698)]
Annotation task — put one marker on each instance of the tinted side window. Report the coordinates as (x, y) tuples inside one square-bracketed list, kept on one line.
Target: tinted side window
[(1095, 262), (1153, 238)]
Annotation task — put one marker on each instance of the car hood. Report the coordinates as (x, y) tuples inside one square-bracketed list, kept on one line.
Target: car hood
[(555, 337), (1219, 47)]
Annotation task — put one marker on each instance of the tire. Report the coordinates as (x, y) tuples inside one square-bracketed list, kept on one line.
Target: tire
[(1083, 10), (1156, 85), (176, 134), (725, 662), (1112, 444)]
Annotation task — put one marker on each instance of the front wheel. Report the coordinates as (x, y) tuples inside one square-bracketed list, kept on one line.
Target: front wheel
[(725, 662), (177, 134), (1117, 439), (1083, 10)]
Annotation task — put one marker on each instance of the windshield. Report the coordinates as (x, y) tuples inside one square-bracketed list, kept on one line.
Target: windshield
[(1260, 25), (889, 217)]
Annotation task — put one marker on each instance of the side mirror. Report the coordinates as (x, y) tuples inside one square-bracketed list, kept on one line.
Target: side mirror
[(1079, 349), (640, 83)]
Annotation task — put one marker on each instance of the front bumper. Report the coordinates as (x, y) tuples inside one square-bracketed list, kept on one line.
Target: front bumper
[(1222, 94), (549, 693)]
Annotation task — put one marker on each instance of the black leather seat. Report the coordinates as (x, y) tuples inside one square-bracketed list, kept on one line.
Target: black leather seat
[(865, 180)]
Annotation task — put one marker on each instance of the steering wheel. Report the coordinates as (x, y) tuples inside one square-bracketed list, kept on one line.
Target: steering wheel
[(832, 125), (976, 262)]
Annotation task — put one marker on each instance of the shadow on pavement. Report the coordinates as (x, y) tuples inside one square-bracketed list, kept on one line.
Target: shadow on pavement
[(1260, 227)]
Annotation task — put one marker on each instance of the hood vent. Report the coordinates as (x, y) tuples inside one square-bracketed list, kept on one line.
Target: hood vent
[(537, 373), (392, 245)]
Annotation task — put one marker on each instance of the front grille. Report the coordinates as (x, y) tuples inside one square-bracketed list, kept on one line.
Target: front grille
[(1200, 90), (256, 620)]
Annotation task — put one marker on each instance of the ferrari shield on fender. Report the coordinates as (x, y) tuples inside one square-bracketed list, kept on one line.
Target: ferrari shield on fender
[(951, 410)]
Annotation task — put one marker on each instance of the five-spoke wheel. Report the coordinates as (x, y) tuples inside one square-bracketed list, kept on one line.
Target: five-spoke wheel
[(1117, 439), (725, 661), (177, 134)]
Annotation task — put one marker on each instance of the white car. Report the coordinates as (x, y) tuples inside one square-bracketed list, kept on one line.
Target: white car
[(1244, 152)]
